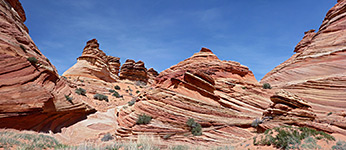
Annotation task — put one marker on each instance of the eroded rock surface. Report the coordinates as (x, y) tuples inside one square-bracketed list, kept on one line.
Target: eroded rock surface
[(32, 95), (317, 72), (134, 71)]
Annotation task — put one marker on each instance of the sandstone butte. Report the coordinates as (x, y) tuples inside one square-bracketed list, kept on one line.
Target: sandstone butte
[(32, 94), (223, 96)]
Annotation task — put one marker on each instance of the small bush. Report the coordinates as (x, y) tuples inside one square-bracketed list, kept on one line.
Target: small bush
[(256, 122), (243, 87), (195, 127), (143, 119), (117, 87), (81, 91), (64, 77), (132, 102), (289, 137), (68, 98), (137, 91), (330, 113), (266, 86), (107, 137), (340, 145), (112, 91), (116, 94), (32, 60), (23, 48), (101, 97)]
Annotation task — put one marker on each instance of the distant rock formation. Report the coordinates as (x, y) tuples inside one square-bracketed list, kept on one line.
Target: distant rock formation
[(32, 95), (95, 64), (317, 72), (135, 71)]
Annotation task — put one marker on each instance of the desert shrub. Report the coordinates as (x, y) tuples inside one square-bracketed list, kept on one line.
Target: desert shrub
[(117, 87), (340, 145), (64, 77), (256, 122), (195, 127), (330, 113), (143, 119), (244, 87), (116, 94), (68, 98), (289, 137), (11, 140), (101, 97), (23, 48), (81, 91), (140, 83), (132, 102), (107, 137), (32, 60), (112, 91), (137, 91), (266, 86)]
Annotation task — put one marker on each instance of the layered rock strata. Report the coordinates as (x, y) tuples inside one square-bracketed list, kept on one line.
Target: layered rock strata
[(95, 64), (288, 107), (317, 72), (32, 95), (201, 87), (134, 71)]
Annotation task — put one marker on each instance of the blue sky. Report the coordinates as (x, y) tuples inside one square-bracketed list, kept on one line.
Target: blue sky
[(260, 34)]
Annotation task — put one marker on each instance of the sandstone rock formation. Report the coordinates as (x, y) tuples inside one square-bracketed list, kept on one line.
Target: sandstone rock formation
[(32, 95), (95, 64), (289, 108), (201, 87), (317, 72), (135, 71)]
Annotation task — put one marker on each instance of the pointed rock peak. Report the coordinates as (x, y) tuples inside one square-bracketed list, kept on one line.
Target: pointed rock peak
[(92, 44), (204, 53), (205, 50)]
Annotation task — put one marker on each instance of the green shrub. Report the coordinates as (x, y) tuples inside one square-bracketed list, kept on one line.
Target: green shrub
[(68, 98), (112, 91), (195, 127), (266, 86), (11, 140), (117, 87), (101, 97), (289, 137), (243, 87), (116, 94), (132, 102), (137, 91), (81, 91), (107, 137), (340, 145), (330, 113), (23, 48), (256, 122), (143, 119), (32, 60)]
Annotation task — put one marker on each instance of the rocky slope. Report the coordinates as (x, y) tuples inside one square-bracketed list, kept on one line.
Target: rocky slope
[(223, 96), (32, 93), (317, 72)]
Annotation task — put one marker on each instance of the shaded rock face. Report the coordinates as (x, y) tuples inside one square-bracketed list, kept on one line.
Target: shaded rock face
[(135, 71), (95, 64), (32, 95), (317, 72)]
